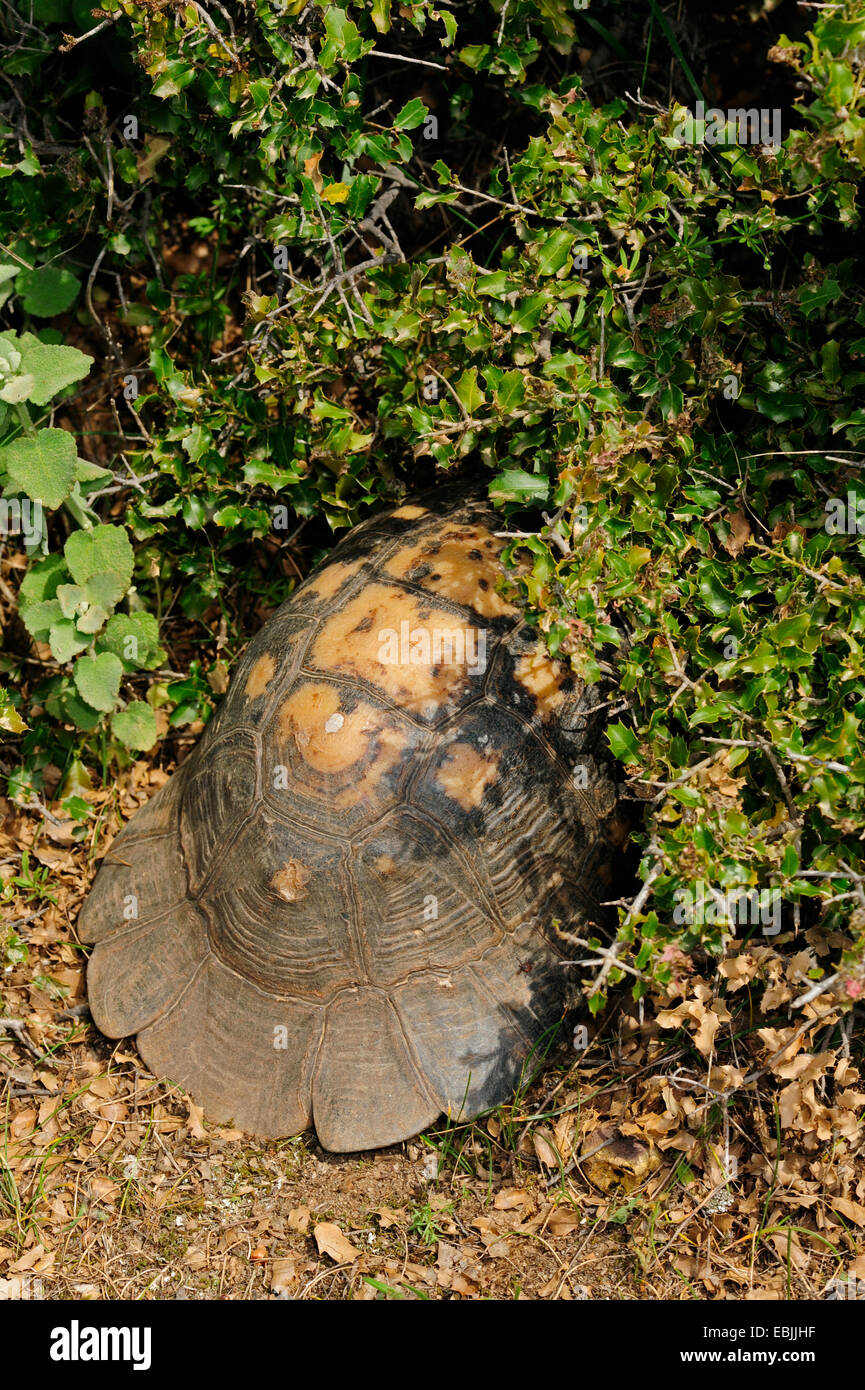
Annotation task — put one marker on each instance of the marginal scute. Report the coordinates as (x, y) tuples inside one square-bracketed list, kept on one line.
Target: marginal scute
[(135, 975), (244, 1055), (367, 1091), (142, 875)]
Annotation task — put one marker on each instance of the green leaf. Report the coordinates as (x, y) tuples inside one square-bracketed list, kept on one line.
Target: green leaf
[(10, 719), (469, 392), (135, 726), (47, 291), (42, 580), (529, 312), (450, 24), (65, 642), (97, 679), (790, 861), (43, 467), (510, 392), (53, 366), (413, 114), (76, 711), (104, 549), (715, 591), (554, 251), (40, 617), (515, 485), (380, 15), (106, 589), (90, 473), (134, 637), (623, 743)]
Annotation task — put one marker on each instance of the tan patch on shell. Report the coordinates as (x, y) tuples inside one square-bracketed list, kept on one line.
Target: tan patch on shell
[(332, 741), (259, 677), (410, 512), (332, 578), (465, 774), (355, 642), (385, 864), (290, 882), (459, 563), (543, 678)]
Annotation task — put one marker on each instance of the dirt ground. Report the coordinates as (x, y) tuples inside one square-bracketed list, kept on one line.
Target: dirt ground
[(644, 1166)]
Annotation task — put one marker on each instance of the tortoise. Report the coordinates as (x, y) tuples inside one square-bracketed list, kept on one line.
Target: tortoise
[(347, 908)]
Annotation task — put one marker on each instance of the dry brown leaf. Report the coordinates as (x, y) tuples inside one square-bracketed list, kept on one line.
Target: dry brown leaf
[(460, 1284), (854, 1211), (331, 1241), (499, 1249), (388, 1218), (563, 1221), (805, 1067), (283, 1274), (544, 1150), (298, 1219), (310, 168), (740, 532), (510, 1197), (196, 1121), (104, 1190)]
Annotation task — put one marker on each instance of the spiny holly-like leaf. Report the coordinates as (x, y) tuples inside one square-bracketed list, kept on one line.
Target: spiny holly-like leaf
[(135, 726), (105, 549), (413, 114), (97, 679), (43, 467), (514, 484), (623, 743), (554, 251)]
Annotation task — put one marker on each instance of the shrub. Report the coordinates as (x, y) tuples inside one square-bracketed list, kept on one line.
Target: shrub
[(645, 332)]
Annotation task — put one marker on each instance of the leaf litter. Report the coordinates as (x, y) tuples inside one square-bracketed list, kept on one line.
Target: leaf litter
[(706, 1144)]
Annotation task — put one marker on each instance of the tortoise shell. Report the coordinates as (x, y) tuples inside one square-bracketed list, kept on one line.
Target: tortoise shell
[(343, 908)]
